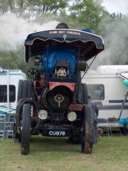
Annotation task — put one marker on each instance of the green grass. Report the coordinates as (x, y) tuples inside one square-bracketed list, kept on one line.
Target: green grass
[(49, 154)]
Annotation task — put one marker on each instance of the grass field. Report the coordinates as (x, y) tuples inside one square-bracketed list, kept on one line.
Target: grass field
[(110, 154)]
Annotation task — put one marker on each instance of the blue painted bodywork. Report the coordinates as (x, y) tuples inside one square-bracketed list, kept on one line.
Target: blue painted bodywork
[(53, 55)]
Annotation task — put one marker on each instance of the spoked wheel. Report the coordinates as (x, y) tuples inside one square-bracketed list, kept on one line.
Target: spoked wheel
[(25, 129), (23, 114), (25, 89), (87, 134)]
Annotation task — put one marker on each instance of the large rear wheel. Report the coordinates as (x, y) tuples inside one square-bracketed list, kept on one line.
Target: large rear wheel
[(82, 94), (25, 129), (87, 135), (25, 90)]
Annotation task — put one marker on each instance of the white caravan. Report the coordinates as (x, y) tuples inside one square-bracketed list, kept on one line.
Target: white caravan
[(105, 86), (9, 80)]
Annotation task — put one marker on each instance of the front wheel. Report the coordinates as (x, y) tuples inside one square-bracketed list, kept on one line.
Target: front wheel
[(74, 138), (87, 132), (25, 129)]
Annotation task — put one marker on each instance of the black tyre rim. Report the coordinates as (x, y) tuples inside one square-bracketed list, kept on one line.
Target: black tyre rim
[(87, 132), (25, 129)]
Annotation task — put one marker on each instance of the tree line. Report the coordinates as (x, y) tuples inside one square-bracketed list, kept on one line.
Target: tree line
[(87, 13)]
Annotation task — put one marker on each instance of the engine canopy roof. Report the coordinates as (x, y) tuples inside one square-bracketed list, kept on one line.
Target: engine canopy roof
[(87, 44)]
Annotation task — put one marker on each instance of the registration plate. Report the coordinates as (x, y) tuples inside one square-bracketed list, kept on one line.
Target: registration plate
[(57, 133)]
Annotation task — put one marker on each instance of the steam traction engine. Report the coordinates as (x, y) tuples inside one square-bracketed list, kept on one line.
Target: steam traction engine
[(55, 102)]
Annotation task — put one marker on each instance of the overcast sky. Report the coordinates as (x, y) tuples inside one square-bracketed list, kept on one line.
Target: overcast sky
[(117, 6)]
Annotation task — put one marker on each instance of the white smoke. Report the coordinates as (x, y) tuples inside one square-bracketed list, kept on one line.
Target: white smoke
[(116, 43), (117, 6), (13, 30)]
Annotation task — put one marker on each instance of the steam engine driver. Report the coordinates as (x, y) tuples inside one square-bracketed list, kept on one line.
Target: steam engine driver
[(61, 69)]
